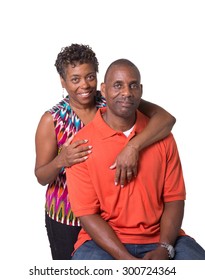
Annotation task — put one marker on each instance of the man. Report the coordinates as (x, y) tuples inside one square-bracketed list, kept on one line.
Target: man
[(142, 220)]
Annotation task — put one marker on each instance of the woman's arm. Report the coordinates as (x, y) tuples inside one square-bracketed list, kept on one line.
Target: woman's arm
[(158, 127), (48, 161)]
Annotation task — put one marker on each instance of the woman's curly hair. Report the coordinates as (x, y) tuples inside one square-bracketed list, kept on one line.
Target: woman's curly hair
[(75, 54)]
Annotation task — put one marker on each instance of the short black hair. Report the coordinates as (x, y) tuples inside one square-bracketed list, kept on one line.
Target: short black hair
[(121, 61), (75, 54)]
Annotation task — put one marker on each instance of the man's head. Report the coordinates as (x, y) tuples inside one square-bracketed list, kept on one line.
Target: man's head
[(73, 55), (122, 89)]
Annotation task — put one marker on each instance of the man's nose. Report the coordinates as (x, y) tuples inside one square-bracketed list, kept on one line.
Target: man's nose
[(126, 91)]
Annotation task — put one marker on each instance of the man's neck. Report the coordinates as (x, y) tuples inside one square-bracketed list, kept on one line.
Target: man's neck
[(119, 123)]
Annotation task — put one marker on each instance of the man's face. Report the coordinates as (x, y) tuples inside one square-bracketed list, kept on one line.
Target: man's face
[(122, 90)]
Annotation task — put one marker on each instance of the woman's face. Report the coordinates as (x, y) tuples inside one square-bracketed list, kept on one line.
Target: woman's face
[(81, 84)]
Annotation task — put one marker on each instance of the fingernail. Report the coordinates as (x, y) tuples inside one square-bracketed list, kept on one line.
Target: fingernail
[(115, 183), (122, 186)]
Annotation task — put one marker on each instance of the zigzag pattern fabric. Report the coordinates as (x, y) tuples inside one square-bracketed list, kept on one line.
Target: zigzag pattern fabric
[(66, 123)]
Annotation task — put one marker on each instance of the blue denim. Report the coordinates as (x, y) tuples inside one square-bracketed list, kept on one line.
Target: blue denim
[(186, 248)]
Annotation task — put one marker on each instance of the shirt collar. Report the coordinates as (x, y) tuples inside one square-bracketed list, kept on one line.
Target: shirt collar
[(106, 131)]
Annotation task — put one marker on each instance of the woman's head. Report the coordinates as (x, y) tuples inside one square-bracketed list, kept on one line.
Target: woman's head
[(73, 55), (77, 66)]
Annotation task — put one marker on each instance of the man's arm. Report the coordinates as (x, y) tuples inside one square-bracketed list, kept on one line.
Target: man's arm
[(171, 221), (158, 127), (174, 194), (100, 231), (170, 225), (86, 206)]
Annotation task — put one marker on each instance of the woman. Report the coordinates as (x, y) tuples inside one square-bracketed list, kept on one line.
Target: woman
[(77, 66)]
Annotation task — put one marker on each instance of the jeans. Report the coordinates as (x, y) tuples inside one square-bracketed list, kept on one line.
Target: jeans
[(186, 248), (62, 238)]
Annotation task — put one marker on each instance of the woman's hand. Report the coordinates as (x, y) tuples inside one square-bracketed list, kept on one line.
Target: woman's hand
[(74, 153), (126, 165)]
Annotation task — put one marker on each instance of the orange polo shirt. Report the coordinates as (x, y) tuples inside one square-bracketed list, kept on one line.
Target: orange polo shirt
[(134, 211)]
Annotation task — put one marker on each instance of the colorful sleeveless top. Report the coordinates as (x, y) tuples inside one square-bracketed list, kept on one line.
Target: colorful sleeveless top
[(65, 122)]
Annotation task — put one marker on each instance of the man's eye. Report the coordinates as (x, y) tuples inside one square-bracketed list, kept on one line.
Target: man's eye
[(117, 85), (134, 85)]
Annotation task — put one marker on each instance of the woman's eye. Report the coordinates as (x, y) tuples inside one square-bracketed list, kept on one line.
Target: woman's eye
[(91, 77), (75, 80)]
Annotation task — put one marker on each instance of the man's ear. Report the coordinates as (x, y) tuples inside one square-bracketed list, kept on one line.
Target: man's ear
[(102, 89), (141, 89)]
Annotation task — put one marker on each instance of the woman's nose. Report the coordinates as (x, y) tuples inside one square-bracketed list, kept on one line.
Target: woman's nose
[(84, 83)]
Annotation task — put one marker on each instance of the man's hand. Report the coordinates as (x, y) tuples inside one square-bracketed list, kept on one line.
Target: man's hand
[(159, 253), (126, 165)]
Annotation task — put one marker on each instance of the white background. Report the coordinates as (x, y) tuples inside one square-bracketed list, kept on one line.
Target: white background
[(165, 39)]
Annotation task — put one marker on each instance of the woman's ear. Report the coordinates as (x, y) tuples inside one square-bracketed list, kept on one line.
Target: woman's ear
[(102, 89), (62, 82)]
